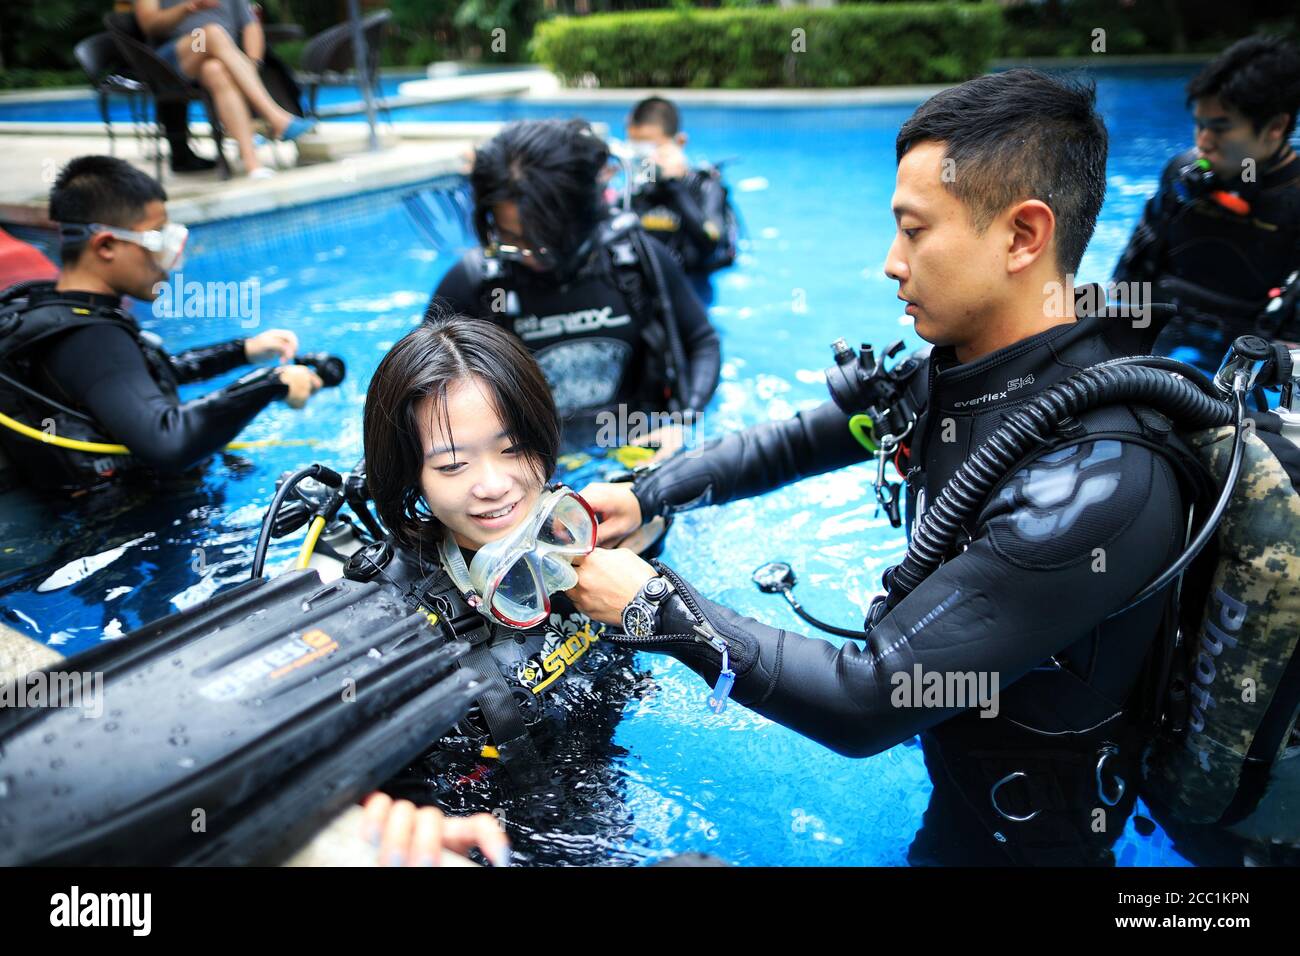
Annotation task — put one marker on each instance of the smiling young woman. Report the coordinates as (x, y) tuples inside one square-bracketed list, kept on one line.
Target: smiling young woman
[(461, 438)]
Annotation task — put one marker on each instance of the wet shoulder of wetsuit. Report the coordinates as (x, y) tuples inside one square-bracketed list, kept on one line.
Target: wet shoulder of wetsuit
[(1067, 542), (699, 338), (750, 462), (699, 214), (103, 370), (711, 195)]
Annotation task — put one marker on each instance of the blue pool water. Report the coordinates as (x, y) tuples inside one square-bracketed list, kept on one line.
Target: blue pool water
[(350, 276)]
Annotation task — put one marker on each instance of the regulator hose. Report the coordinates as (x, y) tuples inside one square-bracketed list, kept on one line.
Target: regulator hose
[(1138, 380)]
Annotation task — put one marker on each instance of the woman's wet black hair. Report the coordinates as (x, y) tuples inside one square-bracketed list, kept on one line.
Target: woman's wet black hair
[(1259, 77), (550, 169), (425, 363), (101, 189), (1019, 135)]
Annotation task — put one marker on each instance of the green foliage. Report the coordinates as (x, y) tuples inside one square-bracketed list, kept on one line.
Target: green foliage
[(479, 20), (858, 45), (24, 78), (1066, 27), (40, 34)]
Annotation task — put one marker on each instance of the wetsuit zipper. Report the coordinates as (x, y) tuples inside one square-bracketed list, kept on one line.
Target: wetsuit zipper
[(704, 634)]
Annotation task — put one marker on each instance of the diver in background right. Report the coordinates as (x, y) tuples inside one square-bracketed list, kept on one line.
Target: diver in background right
[(685, 207), (1221, 237)]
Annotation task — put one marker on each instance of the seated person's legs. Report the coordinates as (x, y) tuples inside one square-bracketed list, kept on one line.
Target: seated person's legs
[(222, 68)]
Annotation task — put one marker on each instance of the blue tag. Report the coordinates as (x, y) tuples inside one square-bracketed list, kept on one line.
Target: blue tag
[(721, 691)]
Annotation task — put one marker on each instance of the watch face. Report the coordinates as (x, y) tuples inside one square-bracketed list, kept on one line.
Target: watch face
[(638, 620)]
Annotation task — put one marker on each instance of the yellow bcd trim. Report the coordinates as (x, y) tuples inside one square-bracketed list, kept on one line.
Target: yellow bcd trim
[(107, 448)]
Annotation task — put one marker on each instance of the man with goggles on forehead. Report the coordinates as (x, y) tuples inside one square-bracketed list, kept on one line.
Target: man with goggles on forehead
[(605, 309), (70, 354)]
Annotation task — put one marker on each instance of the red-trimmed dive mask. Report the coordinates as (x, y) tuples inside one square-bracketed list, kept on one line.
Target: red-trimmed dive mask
[(512, 579)]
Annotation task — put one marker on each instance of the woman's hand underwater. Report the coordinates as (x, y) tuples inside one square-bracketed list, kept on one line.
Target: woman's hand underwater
[(407, 835)]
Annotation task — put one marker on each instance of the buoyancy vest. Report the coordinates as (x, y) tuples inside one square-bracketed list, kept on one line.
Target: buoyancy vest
[(30, 322)]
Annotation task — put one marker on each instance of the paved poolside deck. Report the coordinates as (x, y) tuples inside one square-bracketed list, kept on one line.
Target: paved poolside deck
[(335, 162)]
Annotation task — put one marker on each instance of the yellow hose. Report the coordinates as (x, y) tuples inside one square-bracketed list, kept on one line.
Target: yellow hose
[(308, 546), (105, 448), (271, 443), (75, 444)]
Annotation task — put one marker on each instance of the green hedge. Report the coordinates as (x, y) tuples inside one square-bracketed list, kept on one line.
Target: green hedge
[(860, 45), (23, 78)]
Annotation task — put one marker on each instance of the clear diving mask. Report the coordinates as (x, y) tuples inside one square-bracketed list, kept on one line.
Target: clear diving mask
[(512, 579), (167, 245)]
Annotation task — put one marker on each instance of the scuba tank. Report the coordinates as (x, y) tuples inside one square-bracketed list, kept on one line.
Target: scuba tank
[(1234, 695)]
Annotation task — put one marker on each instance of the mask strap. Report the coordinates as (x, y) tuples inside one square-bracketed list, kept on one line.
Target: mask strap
[(453, 562), (77, 233)]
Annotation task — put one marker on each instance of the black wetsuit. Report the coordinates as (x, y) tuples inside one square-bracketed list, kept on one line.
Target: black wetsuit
[(689, 215), (536, 663), (1218, 265), (1065, 542), (588, 338), (569, 688), (122, 379)]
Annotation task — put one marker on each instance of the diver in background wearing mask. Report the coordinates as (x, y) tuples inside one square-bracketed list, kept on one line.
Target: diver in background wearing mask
[(604, 308), (683, 206), (71, 355)]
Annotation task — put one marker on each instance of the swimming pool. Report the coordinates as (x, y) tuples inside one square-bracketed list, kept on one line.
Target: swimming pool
[(350, 276), (85, 108)]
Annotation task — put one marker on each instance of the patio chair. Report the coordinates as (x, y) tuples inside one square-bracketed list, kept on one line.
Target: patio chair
[(109, 76), (165, 83), (330, 54)]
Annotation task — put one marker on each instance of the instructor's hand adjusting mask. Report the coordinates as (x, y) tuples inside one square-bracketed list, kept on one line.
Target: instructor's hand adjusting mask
[(512, 579), (167, 244)]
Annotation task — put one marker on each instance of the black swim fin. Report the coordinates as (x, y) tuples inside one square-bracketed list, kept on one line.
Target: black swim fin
[(228, 733)]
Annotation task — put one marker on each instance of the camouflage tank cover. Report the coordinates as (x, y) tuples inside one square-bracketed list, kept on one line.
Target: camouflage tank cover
[(1249, 629)]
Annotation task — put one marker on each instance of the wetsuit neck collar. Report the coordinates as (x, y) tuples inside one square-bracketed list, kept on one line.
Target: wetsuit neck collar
[(1010, 373), (1282, 166), (91, 300)]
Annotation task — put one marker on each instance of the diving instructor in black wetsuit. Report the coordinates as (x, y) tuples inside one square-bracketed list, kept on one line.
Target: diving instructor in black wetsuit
[(1000, 181), (75, 360)]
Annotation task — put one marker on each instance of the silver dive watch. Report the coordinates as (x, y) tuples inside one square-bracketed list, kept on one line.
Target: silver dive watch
[(642, 612)]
